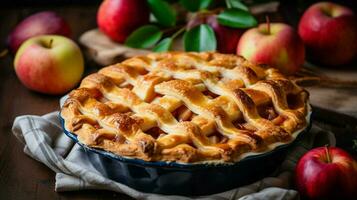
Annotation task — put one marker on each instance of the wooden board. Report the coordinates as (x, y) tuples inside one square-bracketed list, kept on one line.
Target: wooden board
[(21, 177)]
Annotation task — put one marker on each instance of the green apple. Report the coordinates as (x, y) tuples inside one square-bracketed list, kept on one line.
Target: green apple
[(49, 64)]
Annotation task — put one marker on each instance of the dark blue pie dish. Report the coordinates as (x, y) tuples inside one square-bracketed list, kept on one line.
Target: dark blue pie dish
[(173, 178)]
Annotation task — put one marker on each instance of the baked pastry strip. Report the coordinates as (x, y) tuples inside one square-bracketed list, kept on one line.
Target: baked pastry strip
[(117, 108)]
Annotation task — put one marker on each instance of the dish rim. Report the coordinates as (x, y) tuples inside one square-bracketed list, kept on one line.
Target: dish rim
[(196, 165)]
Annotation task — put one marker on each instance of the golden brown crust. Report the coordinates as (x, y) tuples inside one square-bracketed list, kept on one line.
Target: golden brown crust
[(185, 107)]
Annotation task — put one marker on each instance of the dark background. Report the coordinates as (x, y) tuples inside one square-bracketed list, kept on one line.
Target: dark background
[(21, 177)]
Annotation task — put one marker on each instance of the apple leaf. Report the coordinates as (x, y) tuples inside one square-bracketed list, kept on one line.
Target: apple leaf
[(236, 4), (236, 18), (200, 38), (195, 4), (163, 12), (144, 37), (164, 45)]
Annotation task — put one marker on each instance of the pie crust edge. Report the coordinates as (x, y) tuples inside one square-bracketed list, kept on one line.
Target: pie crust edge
[(119, 125)]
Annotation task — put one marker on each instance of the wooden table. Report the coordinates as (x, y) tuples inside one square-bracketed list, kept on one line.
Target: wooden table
[(21, 177)]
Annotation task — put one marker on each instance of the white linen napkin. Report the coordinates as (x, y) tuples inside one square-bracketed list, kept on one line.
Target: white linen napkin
[(45, 141)]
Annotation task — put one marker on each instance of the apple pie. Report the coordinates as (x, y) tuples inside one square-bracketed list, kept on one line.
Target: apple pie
[(187, 108)]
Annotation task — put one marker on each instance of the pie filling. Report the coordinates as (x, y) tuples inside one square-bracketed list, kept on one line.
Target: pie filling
[(186, 107)]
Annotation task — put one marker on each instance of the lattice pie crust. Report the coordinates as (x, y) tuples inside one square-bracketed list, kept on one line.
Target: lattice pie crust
[(185, 107)]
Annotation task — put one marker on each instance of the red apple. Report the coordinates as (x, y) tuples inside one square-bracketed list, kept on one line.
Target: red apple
[(227, 38), (327, 173), (49, 64), (277, 45), (41, 23), (118, 18), (329, 32)]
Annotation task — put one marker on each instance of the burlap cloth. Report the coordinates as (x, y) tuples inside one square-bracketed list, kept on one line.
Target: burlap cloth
[(340, 99)]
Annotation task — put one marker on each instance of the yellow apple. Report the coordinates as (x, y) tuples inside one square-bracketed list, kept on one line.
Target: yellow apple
[(275, 44), (49, 64)]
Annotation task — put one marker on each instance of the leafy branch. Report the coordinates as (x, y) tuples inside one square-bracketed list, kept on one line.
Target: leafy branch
[(200, 37)]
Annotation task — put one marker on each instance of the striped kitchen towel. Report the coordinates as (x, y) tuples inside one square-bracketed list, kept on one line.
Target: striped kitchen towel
[(44, 141)]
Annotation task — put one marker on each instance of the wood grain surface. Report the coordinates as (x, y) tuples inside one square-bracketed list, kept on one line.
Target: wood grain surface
[(21, 177)]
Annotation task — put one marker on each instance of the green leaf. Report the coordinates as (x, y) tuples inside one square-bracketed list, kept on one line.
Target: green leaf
[(236, 4), (163, 12), (164, 45), (194, 5), (236, 18), (144, 37), (200, 38), (204, 4)]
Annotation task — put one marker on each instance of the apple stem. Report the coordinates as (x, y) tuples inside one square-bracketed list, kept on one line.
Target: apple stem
[(268, 23), (178, 32), (50, 43), (327, 154), (4, 52)]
